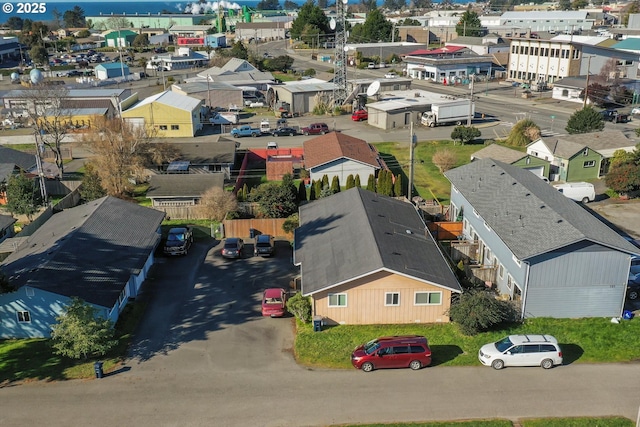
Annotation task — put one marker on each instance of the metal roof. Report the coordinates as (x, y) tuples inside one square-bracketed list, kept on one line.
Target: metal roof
[(529, 215), (171, 99), (356, 233)]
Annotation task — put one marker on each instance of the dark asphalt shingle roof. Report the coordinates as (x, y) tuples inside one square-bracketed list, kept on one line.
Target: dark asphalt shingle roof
[(529, 215), (183, 185), (197, 153), (6, 221), (356, 233), (24, 161), (90, 251)]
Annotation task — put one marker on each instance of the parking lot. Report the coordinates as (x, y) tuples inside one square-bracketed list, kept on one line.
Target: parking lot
[(201, 300)]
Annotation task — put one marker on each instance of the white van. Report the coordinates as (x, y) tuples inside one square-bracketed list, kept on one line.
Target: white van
[(579, 191)]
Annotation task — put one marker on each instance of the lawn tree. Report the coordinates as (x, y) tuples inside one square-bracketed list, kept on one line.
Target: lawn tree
[(375, 28), (216, 203), (444, 159), (141, 40), (312, 191), (318, 189), (624, 178), (276, 200), (91, 188), (465, 134), (23, 195), (479, 310), (80, 332), (49, 112), (120, 152), (74, 18), (291, 5), (523, 132), (279, 63), (39, 55), (469, 24), (564, 5), (584, 121), (358, 181), (14, 23), (117, 22), (325, 181), (239, 50), (302, 192)]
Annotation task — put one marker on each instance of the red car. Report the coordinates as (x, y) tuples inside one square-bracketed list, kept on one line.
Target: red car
[(274, 302), (360, 115), (411, 351)]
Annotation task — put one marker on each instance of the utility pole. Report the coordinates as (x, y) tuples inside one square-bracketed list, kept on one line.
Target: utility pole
[(471, 85), (39, 148), (412, 144), (586, 88)]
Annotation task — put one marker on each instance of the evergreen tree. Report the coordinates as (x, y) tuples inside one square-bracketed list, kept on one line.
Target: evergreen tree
[(382, 182), (375, 28), (312, 191), (335, 184), (318, 188), (23, 195), (371, 183), (312, 15), (91, 188), (469, 24), (325, 181), (350, 182), (584, 121), (302, 192), (397, 186), (358, 181)]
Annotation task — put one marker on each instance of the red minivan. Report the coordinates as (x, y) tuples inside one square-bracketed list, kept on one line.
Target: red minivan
[(410, 351)]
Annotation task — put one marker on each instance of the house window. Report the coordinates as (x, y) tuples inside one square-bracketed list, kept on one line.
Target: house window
[(585, 152), (501, 271), (337, 300), (123, 296), (428, 298), (509, 281), (465, 225), (565, 93), (163, 127), (392, 298), (175, 127), (589, 164), (23, 317)]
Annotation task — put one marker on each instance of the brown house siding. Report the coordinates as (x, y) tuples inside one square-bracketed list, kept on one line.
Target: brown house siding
[(366, 302)]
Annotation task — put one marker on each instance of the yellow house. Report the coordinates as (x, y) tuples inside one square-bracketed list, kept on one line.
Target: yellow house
[(76, 118), (167, 114)]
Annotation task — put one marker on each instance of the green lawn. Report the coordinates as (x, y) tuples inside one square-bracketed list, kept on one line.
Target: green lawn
[(582, 341), (541, 422), (428, 181)]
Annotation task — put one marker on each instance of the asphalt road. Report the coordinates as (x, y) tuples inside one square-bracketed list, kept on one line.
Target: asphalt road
[(205, 357)]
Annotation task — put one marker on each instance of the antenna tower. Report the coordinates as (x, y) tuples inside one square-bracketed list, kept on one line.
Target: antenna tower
[(340, 63)]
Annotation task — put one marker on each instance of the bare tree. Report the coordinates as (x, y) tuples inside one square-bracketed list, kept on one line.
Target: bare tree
[(609, 70), (47, 107), (120, 149), (216, 203), (444, 159)]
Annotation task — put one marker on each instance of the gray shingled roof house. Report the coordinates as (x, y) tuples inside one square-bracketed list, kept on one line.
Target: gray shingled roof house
[(206, 157), (549, 253), (181, 189), (369, 259), (100, 251)]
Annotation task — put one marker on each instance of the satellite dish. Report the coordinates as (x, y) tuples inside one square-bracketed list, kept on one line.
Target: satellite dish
[(15, 76), (332, 24), (373, 88), (344, 2), (36, 76)]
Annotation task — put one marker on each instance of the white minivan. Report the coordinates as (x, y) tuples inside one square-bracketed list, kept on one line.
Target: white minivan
[(522, 350), (579, 191)]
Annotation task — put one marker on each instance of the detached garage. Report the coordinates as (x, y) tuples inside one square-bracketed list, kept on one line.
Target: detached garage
[(112, 71)]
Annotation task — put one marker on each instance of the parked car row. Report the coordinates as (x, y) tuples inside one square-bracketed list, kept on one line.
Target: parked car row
[(412, 351), (234, 247)]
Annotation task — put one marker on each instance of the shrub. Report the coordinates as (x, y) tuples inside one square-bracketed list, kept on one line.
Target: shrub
[(477, 311), (300, 307)]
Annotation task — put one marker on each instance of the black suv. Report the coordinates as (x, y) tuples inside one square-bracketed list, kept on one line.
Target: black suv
[(264, 245)]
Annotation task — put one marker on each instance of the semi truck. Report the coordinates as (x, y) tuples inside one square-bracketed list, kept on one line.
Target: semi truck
[(448, 112)]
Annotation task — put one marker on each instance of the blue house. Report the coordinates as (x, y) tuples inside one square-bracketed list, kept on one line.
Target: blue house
[(100, 252), (111, 71), (546, 252)]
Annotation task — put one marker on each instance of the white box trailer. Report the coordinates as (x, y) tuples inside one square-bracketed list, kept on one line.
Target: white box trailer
[(579, 191), (448, 112)]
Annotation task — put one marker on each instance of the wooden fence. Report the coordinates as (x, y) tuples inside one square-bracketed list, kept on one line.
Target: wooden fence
[(445, 230), (241, 227)]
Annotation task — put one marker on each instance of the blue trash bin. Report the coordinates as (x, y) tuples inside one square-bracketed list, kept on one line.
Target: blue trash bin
[(97, 367), (317, 323)]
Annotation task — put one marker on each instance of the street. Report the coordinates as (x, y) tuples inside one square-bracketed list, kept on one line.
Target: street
[(205, 357)]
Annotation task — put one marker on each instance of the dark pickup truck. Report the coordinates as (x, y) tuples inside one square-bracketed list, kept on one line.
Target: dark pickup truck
[(179, 241), (614, 116)]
